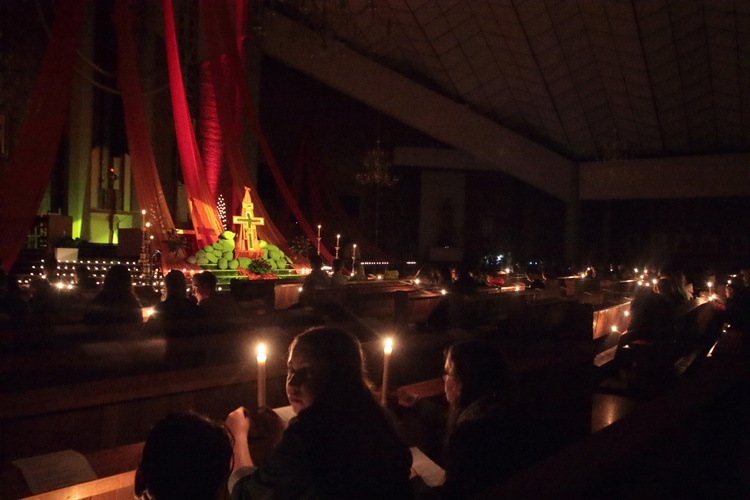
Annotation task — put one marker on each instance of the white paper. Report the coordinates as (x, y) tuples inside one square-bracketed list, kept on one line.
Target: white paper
[(430, 472), (55, 470), (286, 413)]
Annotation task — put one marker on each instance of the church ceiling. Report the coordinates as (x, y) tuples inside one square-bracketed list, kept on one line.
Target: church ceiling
[(590, 79)]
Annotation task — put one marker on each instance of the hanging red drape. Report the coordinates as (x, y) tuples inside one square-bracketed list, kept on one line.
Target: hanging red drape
[(203, 212), (210, 133), (145, 175), (28, 172), (222, 48)]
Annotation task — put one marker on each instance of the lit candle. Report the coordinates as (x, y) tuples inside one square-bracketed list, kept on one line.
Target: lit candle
[(710, 287), (354, 252), (387, 350), (319, 226), (338, 240), (146, 313), (261, 375)]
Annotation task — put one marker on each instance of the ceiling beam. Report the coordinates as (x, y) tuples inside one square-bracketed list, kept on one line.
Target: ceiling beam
[(427, 111), (711, 176)]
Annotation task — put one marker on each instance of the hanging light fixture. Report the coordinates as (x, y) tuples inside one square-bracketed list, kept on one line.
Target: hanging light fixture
[(376, 168)]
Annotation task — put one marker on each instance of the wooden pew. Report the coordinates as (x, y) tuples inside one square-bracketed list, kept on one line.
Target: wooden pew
[(686, 443), (695, 330), (114, 468)]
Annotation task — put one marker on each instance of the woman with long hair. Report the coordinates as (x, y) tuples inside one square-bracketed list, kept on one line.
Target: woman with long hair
[(116, 302), (485, 441), (341, 444)]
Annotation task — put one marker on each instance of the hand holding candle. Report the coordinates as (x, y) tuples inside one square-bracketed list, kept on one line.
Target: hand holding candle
[(261, 375), (387, 350)]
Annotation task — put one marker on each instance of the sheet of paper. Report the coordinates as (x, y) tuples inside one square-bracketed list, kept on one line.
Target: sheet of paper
[(54, 470), (430, 472), (285, 412)]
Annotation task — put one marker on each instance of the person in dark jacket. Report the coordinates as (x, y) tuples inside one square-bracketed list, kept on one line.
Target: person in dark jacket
[(341, 444), (176, 305), (116, 302), (485, 437)]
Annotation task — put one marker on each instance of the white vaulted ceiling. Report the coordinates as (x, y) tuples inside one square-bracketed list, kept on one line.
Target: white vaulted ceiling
[(588, 79)]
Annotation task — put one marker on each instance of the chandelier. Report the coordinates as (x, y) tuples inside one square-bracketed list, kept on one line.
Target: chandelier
[(376, 168)]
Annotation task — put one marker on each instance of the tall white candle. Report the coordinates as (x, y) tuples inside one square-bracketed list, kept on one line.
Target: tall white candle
[(261, 375), (338, 239), (387, 350)]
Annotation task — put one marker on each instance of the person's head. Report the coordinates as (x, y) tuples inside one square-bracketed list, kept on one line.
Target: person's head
[(185, 457), (117, 278), (733, 285), (665, 287), (175, 283), (204, 285), (316, 262), (476, 369), (50, 266), (324, 363), (40, 288), (82, 272), (337, 265)]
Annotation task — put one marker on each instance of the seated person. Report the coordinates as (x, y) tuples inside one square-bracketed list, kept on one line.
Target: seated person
[(84, 282), (317, 278), (534, 281), (667, 289), (50, 267), (736, 307), (462, 281), (485, 438), (338, 278), (652, 318), (341, 444), (185, 457), (176, 304), (429, 275), (211, 303), (116, 302)]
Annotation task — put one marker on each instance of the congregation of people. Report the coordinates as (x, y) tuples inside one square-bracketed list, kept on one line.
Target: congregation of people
[(342, 443)]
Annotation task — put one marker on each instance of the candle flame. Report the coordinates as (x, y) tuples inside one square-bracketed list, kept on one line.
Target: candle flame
[(261, 352), (614, 328), (388, 346)]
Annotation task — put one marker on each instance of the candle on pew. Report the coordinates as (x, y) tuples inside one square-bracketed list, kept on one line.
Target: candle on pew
[(261, 375), (387, 350)]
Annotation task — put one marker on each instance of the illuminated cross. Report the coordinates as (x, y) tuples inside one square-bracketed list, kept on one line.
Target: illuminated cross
[(248, 240)]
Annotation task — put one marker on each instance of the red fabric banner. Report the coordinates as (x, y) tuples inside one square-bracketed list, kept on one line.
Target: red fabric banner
[(145, 175), (204, 214), (32, 159), (222, 48)]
